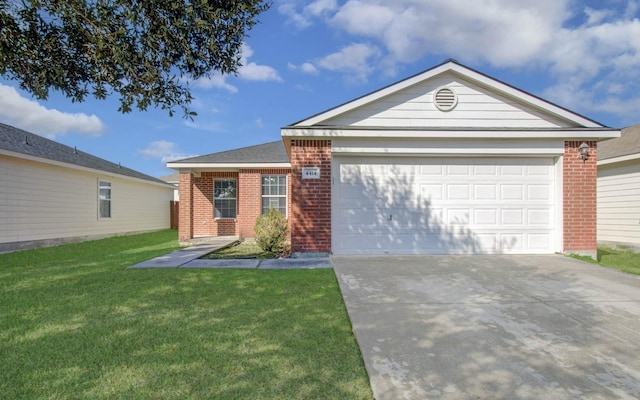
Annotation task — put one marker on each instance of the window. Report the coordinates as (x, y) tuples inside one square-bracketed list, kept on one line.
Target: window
[(104, 199), (225, 198), (274, 193)]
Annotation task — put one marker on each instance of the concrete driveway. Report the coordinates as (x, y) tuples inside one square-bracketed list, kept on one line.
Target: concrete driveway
[(493, 327)]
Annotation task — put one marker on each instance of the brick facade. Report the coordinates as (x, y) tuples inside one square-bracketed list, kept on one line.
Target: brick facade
[(196, 210), (579, 199), (311, 198), (185, 228)]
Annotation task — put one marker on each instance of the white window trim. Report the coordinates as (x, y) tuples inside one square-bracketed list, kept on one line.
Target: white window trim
[(225, 198), (286, 195), (110, 199)]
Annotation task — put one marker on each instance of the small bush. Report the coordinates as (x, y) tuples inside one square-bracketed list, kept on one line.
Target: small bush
[(271, 232)]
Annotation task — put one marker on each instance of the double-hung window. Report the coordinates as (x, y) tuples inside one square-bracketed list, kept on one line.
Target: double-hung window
[(225, 198), (104, 199), (274, 193)]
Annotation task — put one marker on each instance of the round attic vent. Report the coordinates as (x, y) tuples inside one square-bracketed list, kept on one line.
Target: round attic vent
[(445, 99)]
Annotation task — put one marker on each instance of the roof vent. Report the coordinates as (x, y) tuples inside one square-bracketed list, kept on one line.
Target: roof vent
[(445, 99)]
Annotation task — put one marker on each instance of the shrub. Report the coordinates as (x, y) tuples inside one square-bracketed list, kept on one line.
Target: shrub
[(271, 232)]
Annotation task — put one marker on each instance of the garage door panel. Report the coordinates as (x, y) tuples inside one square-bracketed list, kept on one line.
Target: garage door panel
[(485, 216), (512, 192), (538, 192), (444, 206), (485, 192)]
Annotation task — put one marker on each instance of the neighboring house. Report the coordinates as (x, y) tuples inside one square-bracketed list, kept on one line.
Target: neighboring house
[(173, 179), (449, 161), (52, 194), (619, 188)]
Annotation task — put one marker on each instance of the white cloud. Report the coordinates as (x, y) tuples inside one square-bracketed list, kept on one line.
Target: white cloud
[(288, 9), (355, 60), (259, 123), (249, 71), (320, 7), (31, 116), (254, 72), (306, 68), (214, 81), (164, 150)]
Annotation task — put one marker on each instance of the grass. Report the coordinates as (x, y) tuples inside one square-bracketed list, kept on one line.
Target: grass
[(621, 259), (75, 323), (239, 250)]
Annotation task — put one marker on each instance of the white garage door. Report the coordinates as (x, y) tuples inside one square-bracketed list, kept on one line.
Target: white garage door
[(452, 205)]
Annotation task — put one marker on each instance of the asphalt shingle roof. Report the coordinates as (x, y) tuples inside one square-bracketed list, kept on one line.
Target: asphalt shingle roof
[(273, 152), (21, 141), (628, 143)]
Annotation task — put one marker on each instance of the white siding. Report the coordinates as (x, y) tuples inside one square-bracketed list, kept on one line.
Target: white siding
[(619, 202), (477, 108), (41, 202)]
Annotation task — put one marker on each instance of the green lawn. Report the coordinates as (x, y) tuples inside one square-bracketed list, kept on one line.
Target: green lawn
[(621, 259), (75, 323)]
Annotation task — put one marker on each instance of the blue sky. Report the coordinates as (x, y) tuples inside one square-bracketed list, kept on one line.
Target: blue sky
[(307, 56)]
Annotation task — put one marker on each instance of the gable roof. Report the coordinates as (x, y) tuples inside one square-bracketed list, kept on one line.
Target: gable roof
[(170, 178), (261, 155), (627, 145), (26, 143), (467, 73)]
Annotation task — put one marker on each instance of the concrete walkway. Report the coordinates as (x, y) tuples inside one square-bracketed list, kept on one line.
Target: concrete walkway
[(189, 257), (493, 327)]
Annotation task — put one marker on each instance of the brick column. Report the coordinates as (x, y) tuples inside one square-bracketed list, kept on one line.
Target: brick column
[(311, 198), (579, 199), (249, 201), (185, 224)]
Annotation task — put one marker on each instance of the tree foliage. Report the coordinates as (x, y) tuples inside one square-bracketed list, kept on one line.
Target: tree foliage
[(146, 51)]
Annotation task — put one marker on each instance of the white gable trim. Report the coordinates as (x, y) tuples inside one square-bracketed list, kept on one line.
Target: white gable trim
[(340, 132), (466, 73)]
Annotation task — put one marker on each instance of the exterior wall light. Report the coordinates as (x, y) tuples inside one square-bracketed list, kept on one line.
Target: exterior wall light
[(584, 151)]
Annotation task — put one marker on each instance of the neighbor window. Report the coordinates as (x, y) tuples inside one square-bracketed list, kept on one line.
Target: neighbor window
[(104, 199), (274, 193), (225, 197)]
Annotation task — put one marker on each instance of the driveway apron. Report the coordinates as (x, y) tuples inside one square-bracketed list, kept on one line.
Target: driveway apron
[(493, 327)]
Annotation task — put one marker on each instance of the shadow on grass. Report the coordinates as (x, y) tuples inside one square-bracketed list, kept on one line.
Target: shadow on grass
[(76, 324)]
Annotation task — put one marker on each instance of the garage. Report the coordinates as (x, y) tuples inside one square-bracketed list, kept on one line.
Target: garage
[(445, 205)]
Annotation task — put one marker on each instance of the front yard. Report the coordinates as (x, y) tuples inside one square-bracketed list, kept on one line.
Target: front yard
[(622, 259), (75, 323)]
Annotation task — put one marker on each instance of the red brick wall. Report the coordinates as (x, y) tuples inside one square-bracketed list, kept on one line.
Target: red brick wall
[(196, 215), (250, 197), (310, 216), (204, 223), (185, 227), (579, 198)]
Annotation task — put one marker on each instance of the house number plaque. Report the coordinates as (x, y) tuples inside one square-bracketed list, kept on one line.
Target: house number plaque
[(310, 172)]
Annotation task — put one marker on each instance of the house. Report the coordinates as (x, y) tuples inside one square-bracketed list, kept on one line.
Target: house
[(173, 179), (619, 189), (52, 194), (449, 161)]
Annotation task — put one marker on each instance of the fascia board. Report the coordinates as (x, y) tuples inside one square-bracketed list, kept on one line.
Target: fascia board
[(213, 166), (328, 133), (79, 168), (614, 160)]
